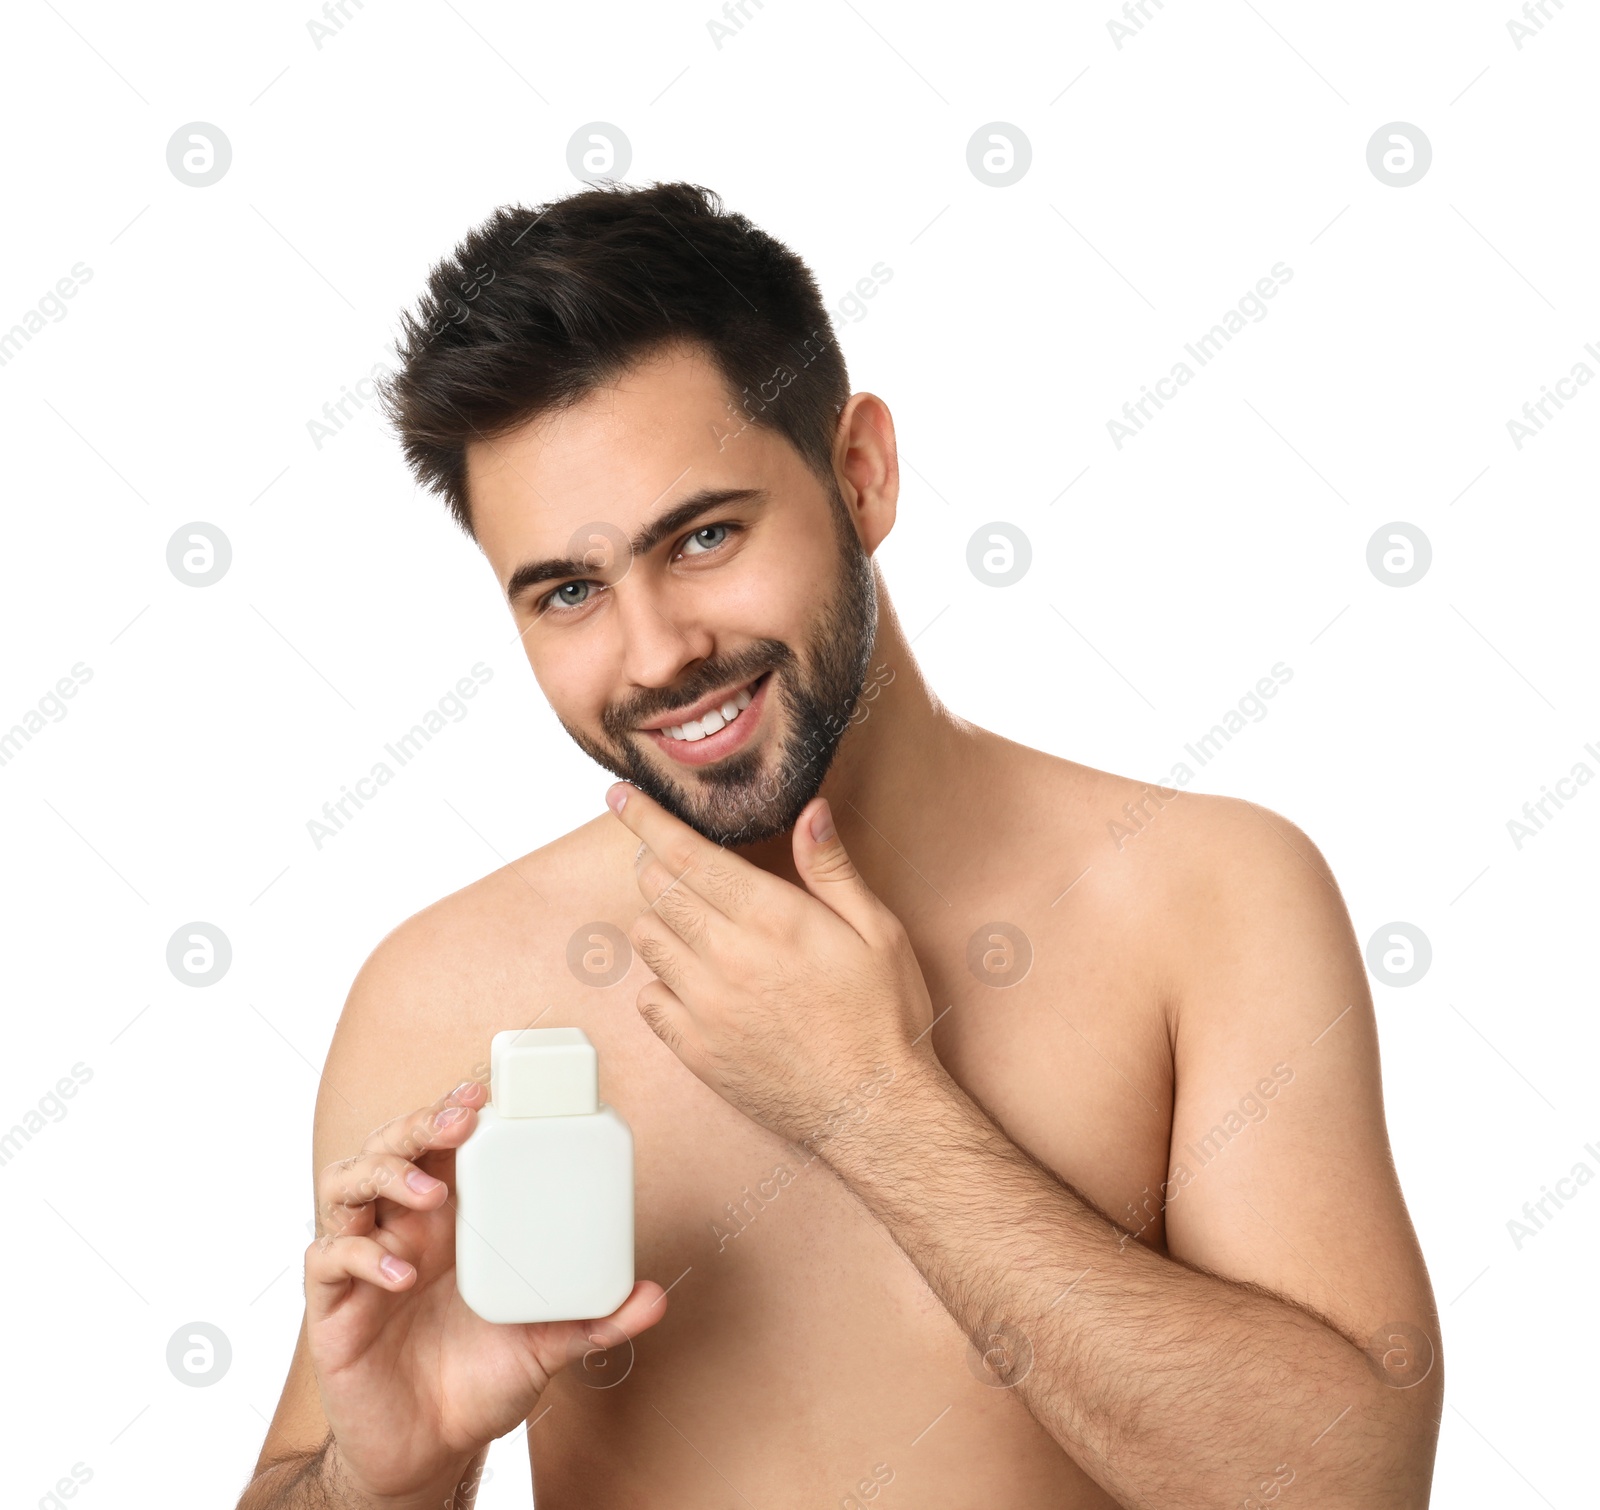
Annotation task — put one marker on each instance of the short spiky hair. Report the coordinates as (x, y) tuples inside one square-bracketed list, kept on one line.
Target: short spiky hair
[(538, 307)]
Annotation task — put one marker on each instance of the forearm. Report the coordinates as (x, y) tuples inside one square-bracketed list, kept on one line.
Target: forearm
[(1172, 1388), (317, 1481)]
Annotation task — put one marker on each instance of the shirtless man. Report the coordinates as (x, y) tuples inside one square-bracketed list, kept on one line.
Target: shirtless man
[(1007, 1130)]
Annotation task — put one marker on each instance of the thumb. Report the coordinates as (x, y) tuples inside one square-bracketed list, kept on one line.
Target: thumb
[(823, 863)]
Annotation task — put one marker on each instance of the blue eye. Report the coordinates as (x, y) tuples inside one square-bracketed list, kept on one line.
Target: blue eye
[(696, 538), (557, 598)]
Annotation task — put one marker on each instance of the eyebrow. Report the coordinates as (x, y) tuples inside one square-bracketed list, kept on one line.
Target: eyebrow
[(531, 573)]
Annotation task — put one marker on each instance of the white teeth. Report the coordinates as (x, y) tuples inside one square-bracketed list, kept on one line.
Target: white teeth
[(709, 723)]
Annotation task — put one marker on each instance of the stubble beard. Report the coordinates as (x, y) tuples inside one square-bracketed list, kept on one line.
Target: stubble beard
[(746, 798)]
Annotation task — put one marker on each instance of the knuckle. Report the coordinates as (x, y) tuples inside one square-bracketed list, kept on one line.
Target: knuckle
[(734, 888), (661, 1025)]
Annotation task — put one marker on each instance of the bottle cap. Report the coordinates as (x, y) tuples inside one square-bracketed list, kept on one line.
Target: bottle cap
[(543, 1072)]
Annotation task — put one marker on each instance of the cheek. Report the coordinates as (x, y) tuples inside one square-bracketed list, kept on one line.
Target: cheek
[(573, 683), (776, 596)]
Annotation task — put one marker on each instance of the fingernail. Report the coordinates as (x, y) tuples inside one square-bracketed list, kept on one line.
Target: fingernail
[(465, 1086), (421, 1181), (448, 1115), (822, 823), (394, 1268), (617, 797)]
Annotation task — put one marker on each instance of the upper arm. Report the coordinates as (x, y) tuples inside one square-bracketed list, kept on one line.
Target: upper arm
[(1280, 1172), (398, 1045)]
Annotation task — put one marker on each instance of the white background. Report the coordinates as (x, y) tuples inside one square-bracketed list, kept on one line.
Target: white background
[(1167, 176)]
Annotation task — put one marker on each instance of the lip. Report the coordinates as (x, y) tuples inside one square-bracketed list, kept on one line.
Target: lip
[(727, 739)]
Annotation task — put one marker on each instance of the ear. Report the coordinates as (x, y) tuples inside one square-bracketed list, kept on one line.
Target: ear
[(866, 458), (821, 861)]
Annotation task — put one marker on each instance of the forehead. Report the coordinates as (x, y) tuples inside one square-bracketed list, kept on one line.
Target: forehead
[(666, 427)]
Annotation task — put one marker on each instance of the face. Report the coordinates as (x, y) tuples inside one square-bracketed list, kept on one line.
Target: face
[(696, 605)]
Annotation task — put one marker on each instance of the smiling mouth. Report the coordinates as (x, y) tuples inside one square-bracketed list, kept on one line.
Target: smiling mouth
[(723, 728), (693, 730)]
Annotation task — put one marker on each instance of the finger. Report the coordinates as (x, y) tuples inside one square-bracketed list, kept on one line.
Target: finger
[(347, 1189), (351, 1183), (665, 1014), (444, 1124), (559, 1344), (824, 865), (332, 1262), (728, 882), (665, 955), (645, 1306), (681, 909)]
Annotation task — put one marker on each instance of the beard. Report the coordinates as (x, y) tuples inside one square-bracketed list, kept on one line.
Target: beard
[(738, 800)]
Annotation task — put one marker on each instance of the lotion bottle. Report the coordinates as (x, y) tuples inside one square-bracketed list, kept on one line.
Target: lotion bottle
[(544, 1186)]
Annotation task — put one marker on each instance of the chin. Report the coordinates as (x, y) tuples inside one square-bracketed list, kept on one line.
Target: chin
[(727, 811)]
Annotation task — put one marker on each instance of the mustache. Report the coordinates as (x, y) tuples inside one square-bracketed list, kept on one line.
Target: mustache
[(769, 655)]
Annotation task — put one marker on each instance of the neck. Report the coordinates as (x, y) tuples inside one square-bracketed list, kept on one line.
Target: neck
[(894, 777)]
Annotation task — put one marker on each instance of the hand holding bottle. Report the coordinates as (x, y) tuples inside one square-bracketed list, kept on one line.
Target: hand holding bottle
[(413, 1383)]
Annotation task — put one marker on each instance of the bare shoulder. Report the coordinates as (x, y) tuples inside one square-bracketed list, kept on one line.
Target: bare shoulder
[(419, 1013), (1198, 879), (1171, 843)]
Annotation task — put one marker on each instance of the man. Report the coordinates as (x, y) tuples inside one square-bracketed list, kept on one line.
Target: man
[(981, 1155)]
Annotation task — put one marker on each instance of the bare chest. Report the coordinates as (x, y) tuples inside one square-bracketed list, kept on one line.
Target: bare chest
[(803, 1359)]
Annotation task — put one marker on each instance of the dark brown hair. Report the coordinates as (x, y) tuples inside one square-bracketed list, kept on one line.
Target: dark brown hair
[(537, 307)]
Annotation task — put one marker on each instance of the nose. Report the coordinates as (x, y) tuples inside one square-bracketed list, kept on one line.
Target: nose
[(657, 648)]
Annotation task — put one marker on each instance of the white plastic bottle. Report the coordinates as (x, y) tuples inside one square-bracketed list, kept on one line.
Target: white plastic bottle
[(544, 1186)]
